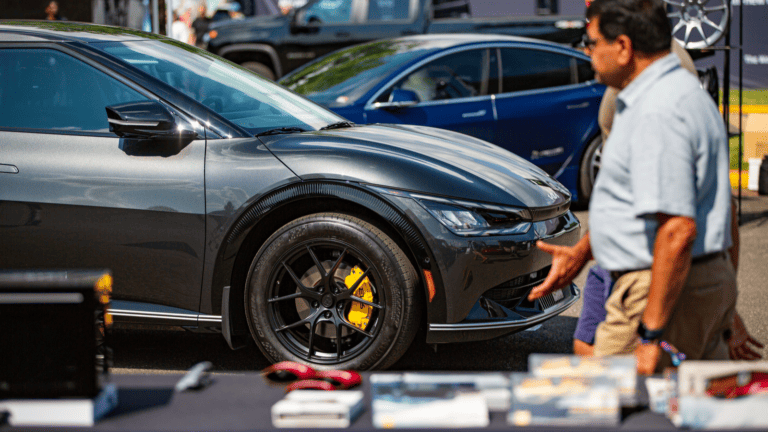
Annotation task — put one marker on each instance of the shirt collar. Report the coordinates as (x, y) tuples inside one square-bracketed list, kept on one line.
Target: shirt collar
[(638, 87)]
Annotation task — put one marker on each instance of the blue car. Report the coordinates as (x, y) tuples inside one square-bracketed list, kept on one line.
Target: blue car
[(536, 99)]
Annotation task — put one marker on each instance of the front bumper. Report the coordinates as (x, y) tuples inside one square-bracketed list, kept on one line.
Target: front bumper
[(481, 324), (473, 274)]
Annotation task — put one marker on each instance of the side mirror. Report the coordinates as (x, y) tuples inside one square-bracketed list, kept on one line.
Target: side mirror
[(146, 120), (399, 98)]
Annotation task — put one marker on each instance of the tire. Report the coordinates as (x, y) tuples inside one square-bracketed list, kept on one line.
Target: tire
[(259, 69), (590, 165), (320, 251)]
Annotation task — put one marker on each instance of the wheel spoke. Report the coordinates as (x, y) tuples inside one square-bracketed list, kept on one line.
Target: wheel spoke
[(715, 8), (701, 31), (676, 14), (338, 343), (336, 265), (288, 297), (357, 282), (306, 320), (709, 22), (366, 302), (363, 332), (680, 24), (310, 343), (307, 292), (688, 28), (317, 262)]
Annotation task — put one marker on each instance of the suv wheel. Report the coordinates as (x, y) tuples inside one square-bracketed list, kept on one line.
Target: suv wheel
[(259, 69), (590, 166), (334, 291)]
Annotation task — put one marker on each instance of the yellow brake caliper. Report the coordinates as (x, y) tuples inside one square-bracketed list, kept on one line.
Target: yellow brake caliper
[(359, 314)]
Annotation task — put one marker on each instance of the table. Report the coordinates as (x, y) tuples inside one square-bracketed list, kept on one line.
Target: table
[(242, 402)]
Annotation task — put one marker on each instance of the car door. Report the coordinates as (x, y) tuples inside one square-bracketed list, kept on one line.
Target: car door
[(74, 195), (452, 92), (546, 110)]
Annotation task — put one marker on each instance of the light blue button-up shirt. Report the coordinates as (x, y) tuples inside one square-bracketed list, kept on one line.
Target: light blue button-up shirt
[(667, 153)]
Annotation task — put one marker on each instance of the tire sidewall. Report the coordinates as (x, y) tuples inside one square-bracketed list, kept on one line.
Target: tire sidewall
[(305, 230), (585, 184)]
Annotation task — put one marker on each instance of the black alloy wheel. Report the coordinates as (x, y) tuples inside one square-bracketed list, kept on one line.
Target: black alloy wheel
[(333, 291)]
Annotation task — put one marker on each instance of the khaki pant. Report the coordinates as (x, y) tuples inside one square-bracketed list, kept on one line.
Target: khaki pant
[(697, 324)]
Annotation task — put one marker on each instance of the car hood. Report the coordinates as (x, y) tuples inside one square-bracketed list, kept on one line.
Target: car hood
[(421, 159)]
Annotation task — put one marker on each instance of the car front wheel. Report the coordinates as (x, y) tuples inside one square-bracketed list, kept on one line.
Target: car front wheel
[(333, 291), (590, 166)]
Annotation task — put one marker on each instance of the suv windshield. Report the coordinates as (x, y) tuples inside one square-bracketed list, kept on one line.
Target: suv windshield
[(341, 78), (236, 94)]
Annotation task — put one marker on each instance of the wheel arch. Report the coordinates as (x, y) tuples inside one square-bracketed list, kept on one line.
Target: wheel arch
[(267, 215)]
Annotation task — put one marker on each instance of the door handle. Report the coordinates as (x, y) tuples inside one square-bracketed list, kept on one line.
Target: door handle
[(343, 34), (579, 106), (8, 169), (474, 114)]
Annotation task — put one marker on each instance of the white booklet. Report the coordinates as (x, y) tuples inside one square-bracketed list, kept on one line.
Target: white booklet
[(317, 409), (416, 400)]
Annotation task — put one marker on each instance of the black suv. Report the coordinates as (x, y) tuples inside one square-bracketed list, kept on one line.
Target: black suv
[(220, 200)]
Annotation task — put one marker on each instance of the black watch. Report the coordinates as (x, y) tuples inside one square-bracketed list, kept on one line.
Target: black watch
[(648, 335)]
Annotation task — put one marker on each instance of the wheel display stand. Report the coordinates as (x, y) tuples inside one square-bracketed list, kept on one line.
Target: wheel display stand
[(692, 14)]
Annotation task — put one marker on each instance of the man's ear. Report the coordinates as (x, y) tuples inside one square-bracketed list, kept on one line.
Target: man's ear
[(626, 50)]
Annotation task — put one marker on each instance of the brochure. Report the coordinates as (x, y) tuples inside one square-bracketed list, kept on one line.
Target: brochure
[(424, 400), (564, 401), (317, 409), (622, 369)]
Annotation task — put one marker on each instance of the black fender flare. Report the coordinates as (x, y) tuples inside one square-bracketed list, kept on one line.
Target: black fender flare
[(253, 47), (234, 322)]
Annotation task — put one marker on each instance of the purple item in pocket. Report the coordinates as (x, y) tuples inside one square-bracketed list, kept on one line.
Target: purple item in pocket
[(596, 291)]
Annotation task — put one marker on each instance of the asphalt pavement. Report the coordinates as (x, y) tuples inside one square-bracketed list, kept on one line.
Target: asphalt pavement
[(154, 351)]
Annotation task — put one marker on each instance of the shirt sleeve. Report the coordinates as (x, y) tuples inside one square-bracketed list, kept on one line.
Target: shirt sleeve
[(662, 166)]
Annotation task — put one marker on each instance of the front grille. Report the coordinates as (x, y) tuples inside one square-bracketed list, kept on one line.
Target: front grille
[(552, 299), (510, 293)]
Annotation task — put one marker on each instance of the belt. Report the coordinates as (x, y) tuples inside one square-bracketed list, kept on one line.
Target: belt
[(701, 259)]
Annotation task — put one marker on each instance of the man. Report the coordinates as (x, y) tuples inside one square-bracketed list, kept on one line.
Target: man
[(599, 284), (660, 209)]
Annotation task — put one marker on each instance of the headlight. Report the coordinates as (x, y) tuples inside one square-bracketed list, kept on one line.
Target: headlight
[(467, 218), (456, 219)]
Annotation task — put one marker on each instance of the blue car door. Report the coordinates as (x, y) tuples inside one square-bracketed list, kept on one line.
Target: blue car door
[(546, 114), (452, 93)]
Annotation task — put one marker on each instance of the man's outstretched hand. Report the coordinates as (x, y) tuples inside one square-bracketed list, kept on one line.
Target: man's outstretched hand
[(567, 262)]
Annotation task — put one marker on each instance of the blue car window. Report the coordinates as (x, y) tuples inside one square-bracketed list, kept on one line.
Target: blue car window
[(329, 12), (387, 10), (48, 89), (457, 75), (530, 69)]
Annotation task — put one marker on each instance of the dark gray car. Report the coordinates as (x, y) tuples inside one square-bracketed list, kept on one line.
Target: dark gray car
[(222, 201)]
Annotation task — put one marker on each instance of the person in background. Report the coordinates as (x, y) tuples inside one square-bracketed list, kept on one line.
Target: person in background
[(180, 30), (660, 210), (599, 284), (201, 23), (52, 12)]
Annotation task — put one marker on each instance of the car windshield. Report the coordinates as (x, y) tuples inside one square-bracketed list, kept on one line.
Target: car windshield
[(341, 78), (236, 94)]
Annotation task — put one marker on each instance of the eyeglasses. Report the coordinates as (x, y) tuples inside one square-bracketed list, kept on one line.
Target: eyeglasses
[(304, 377), (587, 42)]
